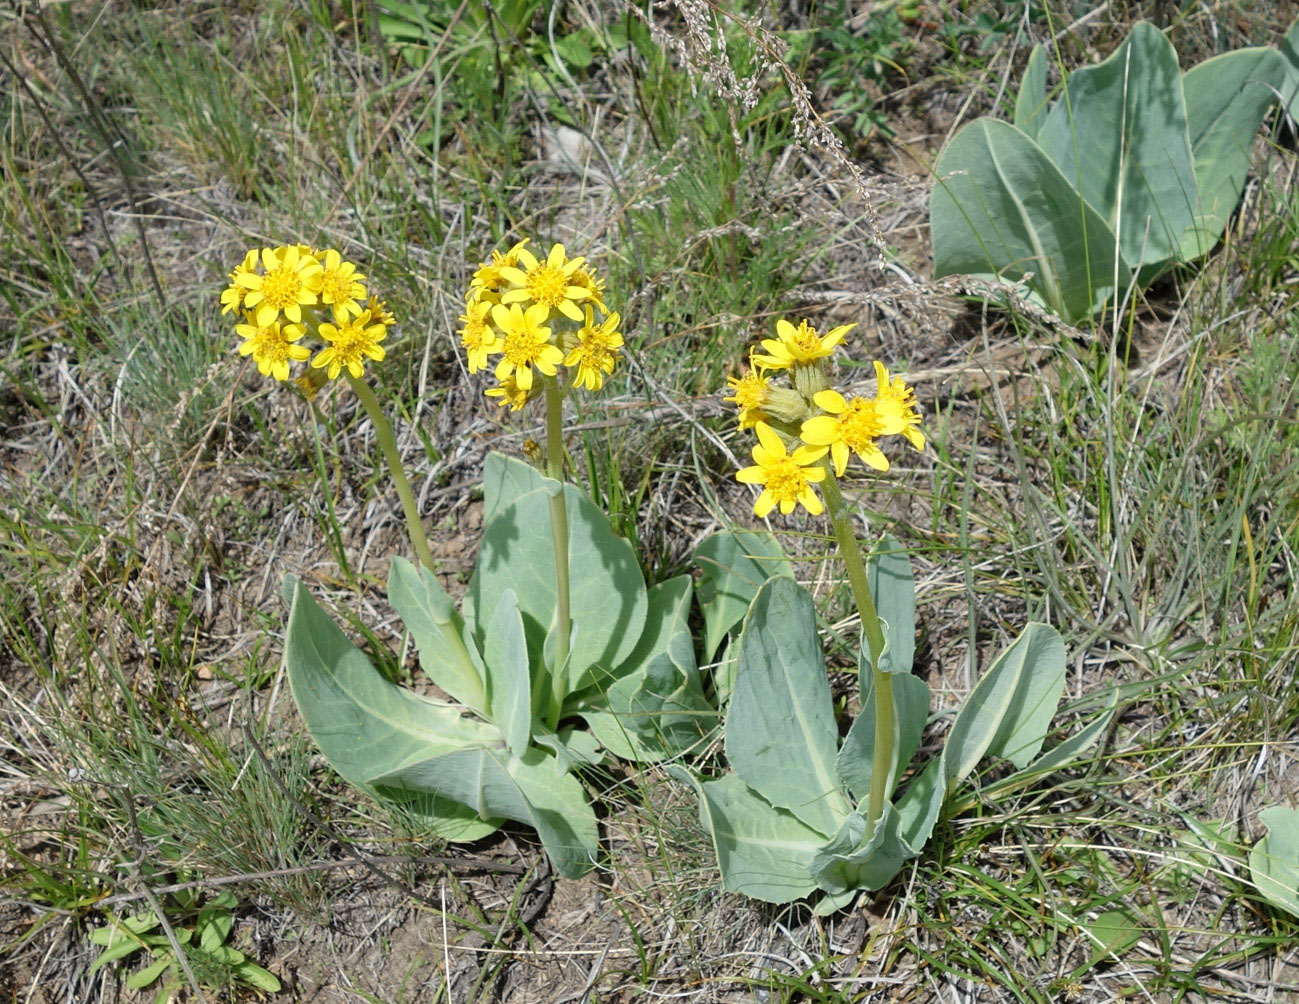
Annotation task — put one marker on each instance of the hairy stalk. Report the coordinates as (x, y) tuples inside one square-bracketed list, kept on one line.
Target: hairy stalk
[(559, 534), (885, 710), (388, 444), (414, 525)]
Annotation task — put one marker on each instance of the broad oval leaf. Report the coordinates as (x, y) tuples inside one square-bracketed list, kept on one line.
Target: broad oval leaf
[(506, 480), (781, 736), (1290, 89), (763, 852), (920, 804), (667, 628), (1226, 99), (857, 755), (532, 789), (1119, 135), (733, 565), (1001, 208), (364, 724), (1009, 710), (607, 596), (1274, 860), (429, 614), (445, 819), (509, 687), (1030, 102), (654, 706), (850, 861), (893, 588)]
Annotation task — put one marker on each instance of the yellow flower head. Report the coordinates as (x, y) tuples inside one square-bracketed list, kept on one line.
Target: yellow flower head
[(341, 286), (379, 312), (896, 405), (525, 343), (510, 393), (799, 346), (546, 283), (851, 426), (593, 284), (232, 297), (350, 344), (596, 351), (291, 282), (477, 336), (751, 390), (787, 478), (272, 345), (488, 276)]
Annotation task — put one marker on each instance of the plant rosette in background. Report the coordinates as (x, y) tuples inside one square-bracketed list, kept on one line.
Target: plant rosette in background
[(1134, 168), (802, 812), (558, 654)]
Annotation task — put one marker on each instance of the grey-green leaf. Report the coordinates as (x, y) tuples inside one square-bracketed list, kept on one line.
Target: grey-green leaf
[(1274, 860), (763, 852), (733, 566), (1226, 99), (920, 804), (1030, 102), (531, 789), (856, 756), (505, 480), (893, 588), (850, 861), (446, 819), (1290, 89), (667, 627), (429, 612), (509, 687), (606, 592), (364, 724), (1009, 710), (1119, 135), (781, 736), (1002, 209)]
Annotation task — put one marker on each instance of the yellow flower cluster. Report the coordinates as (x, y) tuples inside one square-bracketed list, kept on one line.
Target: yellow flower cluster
[(516, 308), (819, 419), (285, 293)]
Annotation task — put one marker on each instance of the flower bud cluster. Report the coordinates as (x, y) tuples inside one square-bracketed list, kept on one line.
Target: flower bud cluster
[(817, 418), (285, 294), (517, 307)]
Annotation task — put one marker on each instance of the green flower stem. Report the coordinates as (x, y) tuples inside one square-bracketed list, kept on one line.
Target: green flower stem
[(559, 534), (414, 525), (388, 444), (885, 709)]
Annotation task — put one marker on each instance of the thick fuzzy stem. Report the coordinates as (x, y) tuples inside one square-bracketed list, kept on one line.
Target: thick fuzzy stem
[(388, 444), (559, 534), (414, 525), (885, 709)]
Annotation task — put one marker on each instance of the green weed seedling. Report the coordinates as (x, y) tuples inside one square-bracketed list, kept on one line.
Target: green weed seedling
[(214, 963), (1135, 167), (803, 813), (557, 629)]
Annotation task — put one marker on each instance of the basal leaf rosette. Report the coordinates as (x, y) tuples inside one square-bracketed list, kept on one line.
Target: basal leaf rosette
[(293, 298), (526, 316)]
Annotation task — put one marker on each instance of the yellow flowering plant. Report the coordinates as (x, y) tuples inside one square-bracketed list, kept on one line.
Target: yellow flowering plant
[(542, 671), (801, 811)]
